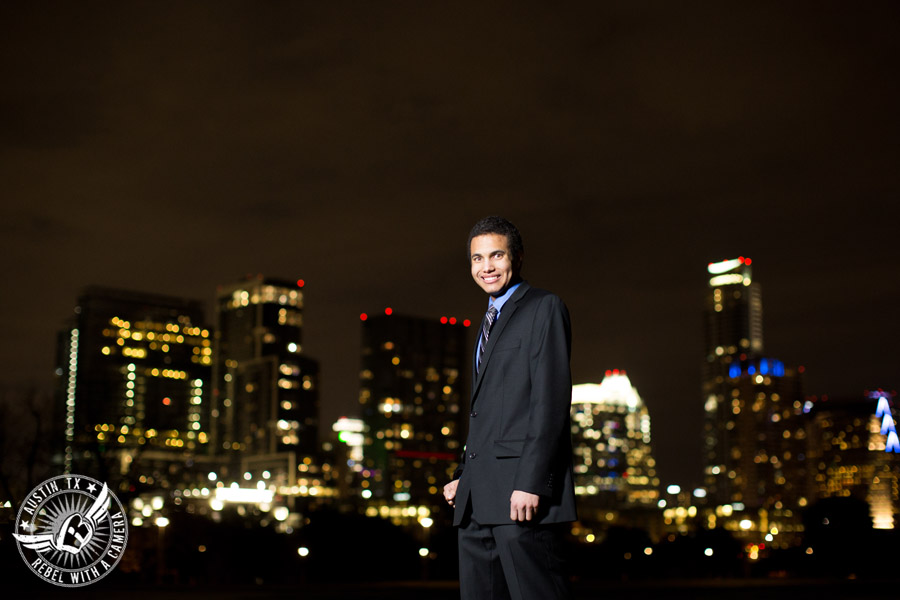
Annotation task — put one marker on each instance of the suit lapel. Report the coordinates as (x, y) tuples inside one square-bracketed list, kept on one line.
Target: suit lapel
[(496, 331)]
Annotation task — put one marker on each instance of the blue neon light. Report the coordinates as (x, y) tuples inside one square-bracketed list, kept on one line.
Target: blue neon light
[(893, 443), (887, 424), (767, 366), (883, 410)]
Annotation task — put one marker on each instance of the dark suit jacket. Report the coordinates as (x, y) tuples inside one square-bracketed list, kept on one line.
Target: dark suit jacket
[(519, 431)]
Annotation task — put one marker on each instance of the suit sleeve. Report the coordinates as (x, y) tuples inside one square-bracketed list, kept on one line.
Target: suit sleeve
[(550, 401)]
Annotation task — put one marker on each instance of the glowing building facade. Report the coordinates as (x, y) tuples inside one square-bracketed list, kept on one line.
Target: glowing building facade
[(755, 441), (614, 464), (266, 400), (857, 453), (134, 384), (413, 382)]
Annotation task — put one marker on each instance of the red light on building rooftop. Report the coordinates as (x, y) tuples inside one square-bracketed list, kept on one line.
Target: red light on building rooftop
[(388, 310), (444, 320), (466, 323), (300, 283), (363, 316), (453, 320)]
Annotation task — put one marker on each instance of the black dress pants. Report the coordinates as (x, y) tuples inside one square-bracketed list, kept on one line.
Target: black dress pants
[(515, 561)]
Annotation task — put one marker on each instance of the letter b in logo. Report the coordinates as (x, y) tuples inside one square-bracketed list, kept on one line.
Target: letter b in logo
[(74, 534)]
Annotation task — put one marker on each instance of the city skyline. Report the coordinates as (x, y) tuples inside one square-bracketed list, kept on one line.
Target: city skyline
[(354, 151)]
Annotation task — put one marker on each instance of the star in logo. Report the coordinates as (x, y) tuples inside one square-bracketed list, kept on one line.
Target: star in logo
[(27, 526), (92, 488)]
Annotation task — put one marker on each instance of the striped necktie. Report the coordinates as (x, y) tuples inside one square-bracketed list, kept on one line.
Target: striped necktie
[(486, 324)]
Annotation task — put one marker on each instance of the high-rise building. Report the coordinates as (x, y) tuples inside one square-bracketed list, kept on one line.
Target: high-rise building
[(266, 400), (413, 378), (734, 312), (614, 464), (134, 379), (755, 442), (856, 452)]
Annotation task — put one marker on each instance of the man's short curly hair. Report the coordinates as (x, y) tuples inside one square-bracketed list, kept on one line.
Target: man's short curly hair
[(499, 226)]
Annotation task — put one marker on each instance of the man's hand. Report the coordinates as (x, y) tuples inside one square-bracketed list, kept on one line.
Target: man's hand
[(522, 505), (450, 492)]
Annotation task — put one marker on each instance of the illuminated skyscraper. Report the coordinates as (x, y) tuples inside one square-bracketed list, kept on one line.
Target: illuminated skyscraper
[(134, 379), (614, 464), (856, 452), (754, 435), (412, 385), (733, 311), (266, 401)]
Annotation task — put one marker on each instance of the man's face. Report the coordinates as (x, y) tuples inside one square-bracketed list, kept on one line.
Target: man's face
[(493, 268)]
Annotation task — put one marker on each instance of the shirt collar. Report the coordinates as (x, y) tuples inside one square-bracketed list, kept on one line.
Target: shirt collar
[(499, 302)]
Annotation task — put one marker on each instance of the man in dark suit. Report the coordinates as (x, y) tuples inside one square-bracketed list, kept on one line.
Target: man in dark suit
[(513, 487)]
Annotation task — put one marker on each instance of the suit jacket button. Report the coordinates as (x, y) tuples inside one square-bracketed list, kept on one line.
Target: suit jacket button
[(473, 414), (472, 455)]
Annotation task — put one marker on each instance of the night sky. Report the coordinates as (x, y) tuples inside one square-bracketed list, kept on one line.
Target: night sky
[(170, 147)]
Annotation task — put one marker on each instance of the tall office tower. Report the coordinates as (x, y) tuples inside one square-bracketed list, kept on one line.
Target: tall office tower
[(413, 378), (614, 464), (733, 312), (266, 399), (134, 384), (754, 433), (856, 453)]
